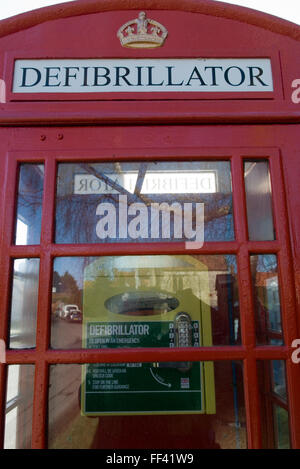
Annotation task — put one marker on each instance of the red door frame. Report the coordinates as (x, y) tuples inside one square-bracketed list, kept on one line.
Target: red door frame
[(43, 356)]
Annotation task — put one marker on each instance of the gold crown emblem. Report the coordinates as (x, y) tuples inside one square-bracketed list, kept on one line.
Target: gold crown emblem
[(142, 33)]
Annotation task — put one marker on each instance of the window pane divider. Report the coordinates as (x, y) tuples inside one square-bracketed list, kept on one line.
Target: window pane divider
[(124, 355), (246, 304), (29, 356), (65, 250), (40, 402)]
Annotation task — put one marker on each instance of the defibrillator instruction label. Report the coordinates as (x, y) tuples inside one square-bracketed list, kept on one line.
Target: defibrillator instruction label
[(143, 387)]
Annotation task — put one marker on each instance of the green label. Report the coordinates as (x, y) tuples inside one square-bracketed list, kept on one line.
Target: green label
[(140, 387)]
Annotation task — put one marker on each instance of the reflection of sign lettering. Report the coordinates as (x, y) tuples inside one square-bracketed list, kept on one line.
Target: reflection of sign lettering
[(183, 182), (142, 75), (86, 184)]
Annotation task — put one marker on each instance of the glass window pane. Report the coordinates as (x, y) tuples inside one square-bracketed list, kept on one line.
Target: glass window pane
[(273, 404), (145, 301), (29, 204), (19, 403), (147, 405), (259, 201), (266, 299), (278, 378), (24, 303), (282, 428), (144, 202)]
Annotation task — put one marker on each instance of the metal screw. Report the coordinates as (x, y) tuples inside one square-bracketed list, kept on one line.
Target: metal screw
[(60, 136), (43, 137)]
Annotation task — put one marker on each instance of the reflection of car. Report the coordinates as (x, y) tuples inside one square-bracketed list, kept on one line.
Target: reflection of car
[(71, 313), (75, 315)]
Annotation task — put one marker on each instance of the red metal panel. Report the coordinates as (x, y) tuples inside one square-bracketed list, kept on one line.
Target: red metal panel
[(258, 34), (206, 7)]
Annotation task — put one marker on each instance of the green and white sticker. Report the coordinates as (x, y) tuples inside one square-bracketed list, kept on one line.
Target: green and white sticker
[(137, 388)]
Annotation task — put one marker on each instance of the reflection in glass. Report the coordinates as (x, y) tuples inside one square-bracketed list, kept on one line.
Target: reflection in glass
[(278, 378), (19, 402), (266, 299), (99, 301), (142, 303), (273, 404), (282, 432), (215, 419), (259, 200), (143, 202), (29, 204), (24, 303)]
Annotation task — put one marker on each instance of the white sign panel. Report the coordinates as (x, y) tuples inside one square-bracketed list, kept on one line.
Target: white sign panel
[(142, 75), (154, 183)]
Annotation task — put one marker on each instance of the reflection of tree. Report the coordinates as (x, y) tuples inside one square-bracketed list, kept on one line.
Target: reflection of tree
[(266, 298), (30, 195), (30, 188), (56, 281), (76, 218), (266, 263), (69, 284), (66, 289), (30, 201)]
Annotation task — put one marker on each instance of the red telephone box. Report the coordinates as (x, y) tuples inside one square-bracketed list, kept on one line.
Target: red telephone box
[(149, 227)]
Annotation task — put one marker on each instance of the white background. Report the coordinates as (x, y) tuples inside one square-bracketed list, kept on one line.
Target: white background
[(287, 9)]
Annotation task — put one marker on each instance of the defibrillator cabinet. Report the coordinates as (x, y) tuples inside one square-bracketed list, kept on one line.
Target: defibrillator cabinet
[(128, 305)]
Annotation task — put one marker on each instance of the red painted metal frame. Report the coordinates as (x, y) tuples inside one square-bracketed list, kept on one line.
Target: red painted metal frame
[(205, 7), (43, 356)]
